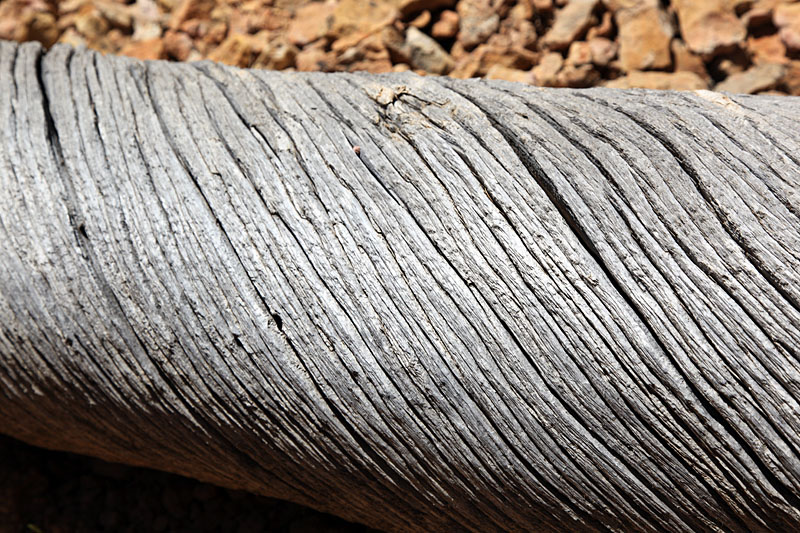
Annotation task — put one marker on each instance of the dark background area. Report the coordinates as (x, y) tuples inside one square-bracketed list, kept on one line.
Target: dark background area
[(44, 491)]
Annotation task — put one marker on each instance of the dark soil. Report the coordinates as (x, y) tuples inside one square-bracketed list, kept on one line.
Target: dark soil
[(43, 491)]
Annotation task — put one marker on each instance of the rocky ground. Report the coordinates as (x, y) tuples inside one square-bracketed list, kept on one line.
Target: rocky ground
[(51, 492), (747, 46)]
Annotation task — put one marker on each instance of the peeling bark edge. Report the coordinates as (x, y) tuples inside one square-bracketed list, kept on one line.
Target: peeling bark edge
[(417, 303)]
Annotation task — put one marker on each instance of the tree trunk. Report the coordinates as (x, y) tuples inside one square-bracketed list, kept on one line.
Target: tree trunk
[(417, 303)]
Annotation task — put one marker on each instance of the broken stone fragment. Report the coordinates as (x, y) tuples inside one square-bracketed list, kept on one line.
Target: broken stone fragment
[(500, 50), (422, 20), (580, 53), (753, 80), (687, 61), (603, 50), (787, 18), (447, 25), (177, 45), (425, 53), (546, 72), (311, 22), (357, 17), (645, 32), (672, 81), (791, 80), (570, 24), (370, 54), (237, 50), (147, 20), (119, 15), (315, 57), (190, 9), (577, 76), (710, 26), (767, 49), (276, 54), (474, 30), (499, 72), (150, 49)]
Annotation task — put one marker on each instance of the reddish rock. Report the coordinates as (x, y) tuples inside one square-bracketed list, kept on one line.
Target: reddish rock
[(767, 49), (499, 72), (314, 57), (72, 38), (426, 54), (117, 14), (580, 53), (604, 29), (422, 20), (522, 10), (274, 19), (371, 55), (146, 21), (216, 33), (495, 52), (28, 21), (570, 24), (787, 18), (257, 15), (311, 22), (370, 65), (493, 38), (791, 80), (238, 20), (468, 65), (394, 38), (603, 50), (503, 50), (710, 26), (37, 26), (177, 45), (478, 20), (355, 16), (760, 13), (276, 54), (673, 81), (196, 29), (546, 72), (645, 32), (687, 61), (447, 25), (238, 50), (150, 49), (191, 9), (349, 41), (112, 42), (91, 24), (756, 79), (517, 26), (577, 76)]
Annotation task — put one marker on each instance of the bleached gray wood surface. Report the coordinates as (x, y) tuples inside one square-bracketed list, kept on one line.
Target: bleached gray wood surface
[(512, 309)]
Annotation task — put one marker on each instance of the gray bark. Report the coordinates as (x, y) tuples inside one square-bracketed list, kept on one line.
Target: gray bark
[(513, 309)]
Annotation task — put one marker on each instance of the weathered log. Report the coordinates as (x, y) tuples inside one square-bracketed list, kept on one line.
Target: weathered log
[(418, 303)]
